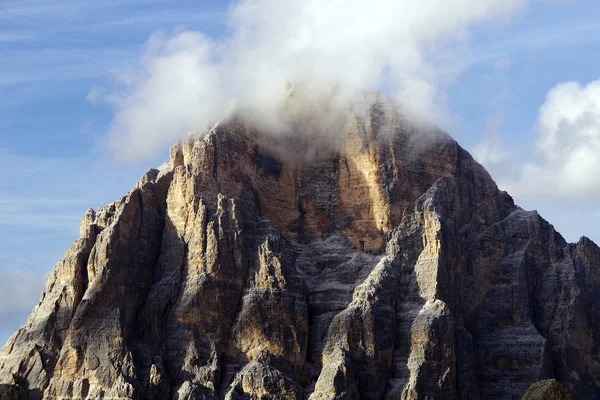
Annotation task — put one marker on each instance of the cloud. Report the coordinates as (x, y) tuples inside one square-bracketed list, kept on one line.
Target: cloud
[(40, 213), (186, 81), (557, 173), (19, 293), (566, 162), (42, 194), (50, 48), (492, 152)]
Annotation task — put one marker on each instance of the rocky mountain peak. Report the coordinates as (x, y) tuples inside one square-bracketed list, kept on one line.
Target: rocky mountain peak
[(354, 256)]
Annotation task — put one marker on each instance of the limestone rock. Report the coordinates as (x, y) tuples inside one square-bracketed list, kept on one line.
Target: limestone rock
[(549, 389), (384, 264)]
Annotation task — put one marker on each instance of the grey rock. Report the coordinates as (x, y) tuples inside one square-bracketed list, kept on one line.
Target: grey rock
[(549, 389), (383, 264)]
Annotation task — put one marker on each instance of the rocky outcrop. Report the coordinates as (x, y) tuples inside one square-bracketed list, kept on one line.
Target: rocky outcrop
[(385, 264), (549, 389)]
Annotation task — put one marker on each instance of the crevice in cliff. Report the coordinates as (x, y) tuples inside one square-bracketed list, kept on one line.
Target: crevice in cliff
[(229, 369), (408, 303)]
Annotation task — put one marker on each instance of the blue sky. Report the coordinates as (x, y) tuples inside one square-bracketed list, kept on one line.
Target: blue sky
[(55, 153)]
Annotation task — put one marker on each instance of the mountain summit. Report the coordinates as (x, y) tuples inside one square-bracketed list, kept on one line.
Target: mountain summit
[(384, 264)]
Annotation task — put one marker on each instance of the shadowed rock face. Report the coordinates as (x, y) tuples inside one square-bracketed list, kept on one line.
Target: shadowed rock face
[(254, 267), (12, 392), (548, 389)]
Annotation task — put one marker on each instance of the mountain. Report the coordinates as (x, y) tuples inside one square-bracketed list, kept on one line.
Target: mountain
[(383, 264)]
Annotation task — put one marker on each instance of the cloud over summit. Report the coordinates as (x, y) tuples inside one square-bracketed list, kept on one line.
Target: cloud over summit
[(186, 80)]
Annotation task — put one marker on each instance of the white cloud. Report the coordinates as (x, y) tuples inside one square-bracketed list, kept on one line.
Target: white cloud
[(558, 175), (186, 81), (566, 162)]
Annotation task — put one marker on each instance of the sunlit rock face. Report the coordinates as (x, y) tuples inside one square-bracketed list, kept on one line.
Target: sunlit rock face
[(379, 261)]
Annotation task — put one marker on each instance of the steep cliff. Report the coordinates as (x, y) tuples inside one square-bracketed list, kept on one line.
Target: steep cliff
[(383, 264)]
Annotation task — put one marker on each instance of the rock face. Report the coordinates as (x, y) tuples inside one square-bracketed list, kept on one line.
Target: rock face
[(385, 266), (548, 389)]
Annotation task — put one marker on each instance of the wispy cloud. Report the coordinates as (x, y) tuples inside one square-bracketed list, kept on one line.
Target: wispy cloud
[(24, 200), (41, 213), (73, 41), (569, 34), (60, 65), (19, 293), (61, 9), (52, 194), (17, 37)]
